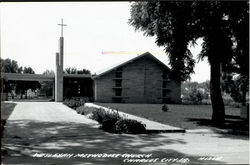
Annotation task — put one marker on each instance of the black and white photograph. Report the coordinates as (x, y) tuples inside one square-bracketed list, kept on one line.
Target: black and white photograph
[(124, 82)]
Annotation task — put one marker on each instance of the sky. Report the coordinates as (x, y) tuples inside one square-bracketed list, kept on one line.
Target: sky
[(96, 37)]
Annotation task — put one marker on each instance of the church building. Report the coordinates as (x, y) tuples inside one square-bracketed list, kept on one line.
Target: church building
[(143, 79)]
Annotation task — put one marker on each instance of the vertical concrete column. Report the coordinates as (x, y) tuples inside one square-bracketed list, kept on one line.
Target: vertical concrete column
[(59, 73), (58, 80), (53, 91), (95, 90), (61, 45)]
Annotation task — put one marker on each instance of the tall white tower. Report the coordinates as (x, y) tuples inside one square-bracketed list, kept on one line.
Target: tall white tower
[(59, 68)]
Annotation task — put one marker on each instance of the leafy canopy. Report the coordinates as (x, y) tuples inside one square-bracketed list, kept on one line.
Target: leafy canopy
[(176, 24)]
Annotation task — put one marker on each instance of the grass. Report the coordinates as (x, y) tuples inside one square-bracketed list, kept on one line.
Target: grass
[(182, 116), (6, 110)]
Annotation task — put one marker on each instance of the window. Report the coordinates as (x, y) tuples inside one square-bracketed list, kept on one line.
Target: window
[(118, 74), (118, 92), (119, 69), (164, 84), (164, 93), (118, 83), (164, 76)]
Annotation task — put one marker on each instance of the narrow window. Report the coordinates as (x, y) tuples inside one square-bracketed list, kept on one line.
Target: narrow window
[(119, 69), (118, 83), (118, 92), (164, 76), (118, 74), (164, 93), (164, 84)]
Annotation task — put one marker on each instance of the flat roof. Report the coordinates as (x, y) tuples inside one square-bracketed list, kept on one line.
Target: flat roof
[(27, 77), (39, 77), (77, 75)]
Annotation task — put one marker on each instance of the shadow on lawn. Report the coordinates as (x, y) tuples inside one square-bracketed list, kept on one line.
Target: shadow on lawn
[(233, 125), (25, 138)]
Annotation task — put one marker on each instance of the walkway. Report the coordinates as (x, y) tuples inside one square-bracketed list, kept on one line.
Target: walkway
[(38, 128)]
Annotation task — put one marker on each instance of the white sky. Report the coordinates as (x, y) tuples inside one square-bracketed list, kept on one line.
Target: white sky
[(29, 35)]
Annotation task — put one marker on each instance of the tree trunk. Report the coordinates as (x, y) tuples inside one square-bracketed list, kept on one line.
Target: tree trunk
[(244, 97), (218, 116)]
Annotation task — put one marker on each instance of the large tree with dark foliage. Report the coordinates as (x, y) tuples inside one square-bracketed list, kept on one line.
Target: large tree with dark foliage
[(9, 66), (176, 24)]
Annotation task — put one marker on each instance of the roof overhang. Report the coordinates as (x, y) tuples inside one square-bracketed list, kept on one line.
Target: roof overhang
[(27, 77), (131, 60)]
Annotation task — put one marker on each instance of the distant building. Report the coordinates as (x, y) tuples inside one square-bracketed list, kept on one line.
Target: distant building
[(143, 79)]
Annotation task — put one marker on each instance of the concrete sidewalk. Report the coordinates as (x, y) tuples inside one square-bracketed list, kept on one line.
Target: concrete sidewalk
[(47, 112), (52, 128)]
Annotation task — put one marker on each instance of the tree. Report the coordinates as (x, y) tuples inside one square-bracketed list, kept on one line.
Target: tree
[(192, 92), (73, 70), (177, 24), (236, 86), (236, 73), (47, 86), (9, 66), (49, 73), (83, 71), (206, 88), (28, 70)]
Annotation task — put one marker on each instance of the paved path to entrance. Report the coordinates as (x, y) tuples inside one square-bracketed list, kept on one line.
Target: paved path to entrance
[(47, 112), (53, 134)]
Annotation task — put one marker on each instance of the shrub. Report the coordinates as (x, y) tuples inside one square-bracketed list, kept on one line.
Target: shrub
[(108, 124), (164, 108), (195, 97), (74, 102), (83, 110), (112, 122), (102, 116), (206, 102), (229, 101), (129, 126)]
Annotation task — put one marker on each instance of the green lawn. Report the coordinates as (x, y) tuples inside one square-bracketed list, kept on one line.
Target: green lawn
[(183, 116), (6, 110)]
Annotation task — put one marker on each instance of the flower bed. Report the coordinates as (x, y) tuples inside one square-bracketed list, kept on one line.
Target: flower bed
[(74, 102), (111, 121)]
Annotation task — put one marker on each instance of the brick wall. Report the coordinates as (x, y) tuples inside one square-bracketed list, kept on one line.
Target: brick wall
[(103, 88), (141, 83)]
